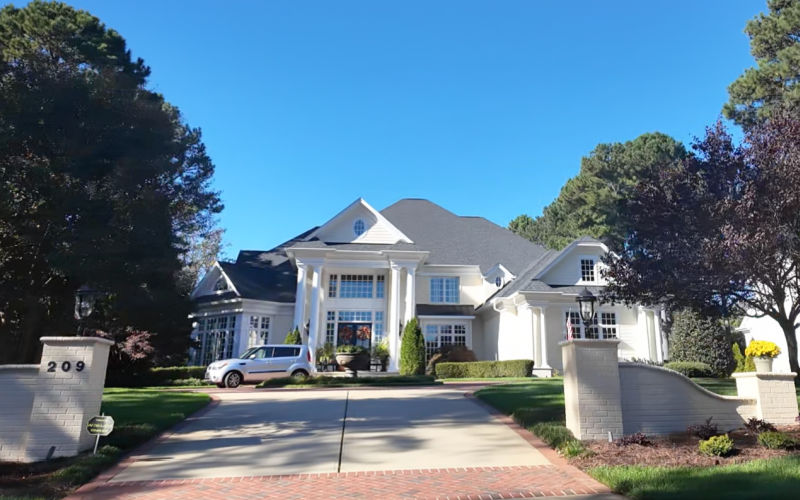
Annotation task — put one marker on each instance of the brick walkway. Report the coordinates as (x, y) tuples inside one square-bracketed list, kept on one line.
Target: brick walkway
[(472, 483)]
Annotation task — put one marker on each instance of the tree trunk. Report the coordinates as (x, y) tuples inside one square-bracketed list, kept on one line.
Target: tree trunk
[(791, 342)]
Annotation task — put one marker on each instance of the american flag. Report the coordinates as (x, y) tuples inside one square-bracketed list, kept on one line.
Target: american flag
[(569, 326)]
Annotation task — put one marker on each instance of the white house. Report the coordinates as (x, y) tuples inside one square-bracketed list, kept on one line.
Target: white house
[(766, 328), (361, 275)]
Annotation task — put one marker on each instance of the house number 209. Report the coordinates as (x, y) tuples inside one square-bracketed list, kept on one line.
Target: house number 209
[(66, 366)]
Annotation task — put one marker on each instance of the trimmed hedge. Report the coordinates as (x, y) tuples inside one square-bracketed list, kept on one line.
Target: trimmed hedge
[(698, 338), (168, 375), (691, 368), (485, 369)]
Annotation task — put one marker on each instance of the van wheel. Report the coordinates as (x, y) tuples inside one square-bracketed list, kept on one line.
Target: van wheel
[(300, 374), (232, 380)]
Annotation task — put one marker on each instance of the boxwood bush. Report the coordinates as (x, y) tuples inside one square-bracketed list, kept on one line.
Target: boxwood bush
[(485, 369), (775, 440), (690, 368), (169, 375), (716, 446)]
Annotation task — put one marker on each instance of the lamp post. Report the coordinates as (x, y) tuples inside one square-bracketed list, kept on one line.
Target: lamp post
[(586, 300), (85, 299)]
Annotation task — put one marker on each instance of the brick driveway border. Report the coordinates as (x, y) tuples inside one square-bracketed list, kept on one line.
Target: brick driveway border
[(558, 479)]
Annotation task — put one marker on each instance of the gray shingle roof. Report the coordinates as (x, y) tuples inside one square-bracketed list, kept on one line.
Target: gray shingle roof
[(454, 239)]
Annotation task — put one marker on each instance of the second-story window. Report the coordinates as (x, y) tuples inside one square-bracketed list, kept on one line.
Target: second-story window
[(587, 269), (444, 290)]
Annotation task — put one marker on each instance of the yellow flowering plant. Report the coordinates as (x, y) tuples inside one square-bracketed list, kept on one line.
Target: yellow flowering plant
[(762, 349)]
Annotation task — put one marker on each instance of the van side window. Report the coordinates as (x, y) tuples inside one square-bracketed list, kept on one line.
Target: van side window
[(286, 352)]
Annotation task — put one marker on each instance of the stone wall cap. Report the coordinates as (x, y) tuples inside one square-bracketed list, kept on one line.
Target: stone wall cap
[(19, 367), (73, 340), (591, 342), (775, 375)]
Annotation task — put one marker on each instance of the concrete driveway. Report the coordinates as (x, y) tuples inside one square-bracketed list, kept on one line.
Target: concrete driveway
[(269, 433)]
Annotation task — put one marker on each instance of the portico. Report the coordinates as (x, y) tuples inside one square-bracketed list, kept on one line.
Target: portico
[(359, 297)]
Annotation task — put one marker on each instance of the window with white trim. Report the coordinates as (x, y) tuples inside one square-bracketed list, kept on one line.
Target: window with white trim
[(606, 328), (332, 281), (380, 287), (440, 335), (221, 285), (216, 335), (587, 270), (359, 227), (356, 286), (258, 332), (330, 328), (445, 290)]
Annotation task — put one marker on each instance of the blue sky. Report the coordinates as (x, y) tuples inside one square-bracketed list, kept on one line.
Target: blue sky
[(482, 107)]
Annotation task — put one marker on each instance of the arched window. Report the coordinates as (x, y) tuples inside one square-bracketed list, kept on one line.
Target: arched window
[(359, 227)]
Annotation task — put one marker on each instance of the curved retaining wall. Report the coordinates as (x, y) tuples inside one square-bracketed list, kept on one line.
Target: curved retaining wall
[(660, 401)]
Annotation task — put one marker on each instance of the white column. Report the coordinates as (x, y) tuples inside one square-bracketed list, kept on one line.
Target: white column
[(313, 326), (659, 340), (300, 297), (411, 306), (393, 318), (543, 333)]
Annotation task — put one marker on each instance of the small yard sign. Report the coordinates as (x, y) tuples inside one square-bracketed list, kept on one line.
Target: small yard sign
[(100, 426)]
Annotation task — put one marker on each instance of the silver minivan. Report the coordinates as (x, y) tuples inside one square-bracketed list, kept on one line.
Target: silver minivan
[(259, 363)]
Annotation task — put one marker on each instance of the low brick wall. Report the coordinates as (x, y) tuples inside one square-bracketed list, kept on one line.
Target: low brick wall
[(603, 396), (45, 407), (660, 401)]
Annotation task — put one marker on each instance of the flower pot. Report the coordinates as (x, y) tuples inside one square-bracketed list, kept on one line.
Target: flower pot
[(353, 362), (763, 364)]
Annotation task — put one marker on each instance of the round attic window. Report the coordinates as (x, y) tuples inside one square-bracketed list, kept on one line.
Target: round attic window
[(359, 227), (498, 281)]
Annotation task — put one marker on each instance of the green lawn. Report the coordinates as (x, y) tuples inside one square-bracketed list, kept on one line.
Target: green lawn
[(139, 414), (775, 478), (544, 395)]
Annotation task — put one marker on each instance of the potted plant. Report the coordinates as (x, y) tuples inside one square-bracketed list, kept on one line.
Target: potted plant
[(381, 353), (325, 355), (762, 352), (352, 358)]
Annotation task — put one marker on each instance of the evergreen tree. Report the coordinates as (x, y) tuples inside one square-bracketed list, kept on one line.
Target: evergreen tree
[(412, 350), (293, 337), (775, 81), (694, 337), (589, 203)]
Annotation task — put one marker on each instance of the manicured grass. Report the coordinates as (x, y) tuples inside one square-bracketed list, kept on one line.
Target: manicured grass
[(544, 396), (503, 380), (775, 478), (322, 381), (139, 414)]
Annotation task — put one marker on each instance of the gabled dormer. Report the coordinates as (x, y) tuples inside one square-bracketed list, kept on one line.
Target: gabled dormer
[(498, 276), (215, 282), (359, 223), (580, 263)]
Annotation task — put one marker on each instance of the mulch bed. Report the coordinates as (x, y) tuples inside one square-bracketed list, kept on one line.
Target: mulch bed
[(680, 450)]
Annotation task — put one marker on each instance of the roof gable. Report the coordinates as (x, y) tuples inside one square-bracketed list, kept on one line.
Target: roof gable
[(461, 240), (373, 227)]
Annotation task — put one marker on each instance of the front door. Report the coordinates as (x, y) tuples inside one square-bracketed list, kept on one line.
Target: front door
[(355, 334)]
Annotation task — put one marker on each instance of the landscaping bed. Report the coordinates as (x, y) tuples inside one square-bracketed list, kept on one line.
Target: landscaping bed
[(139, 414), (680, 450)]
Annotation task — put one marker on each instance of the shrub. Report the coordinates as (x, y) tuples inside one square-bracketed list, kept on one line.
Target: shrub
[(485, 369), (743, 363), (350, 349), (716, 446), (574, 448), (701, 339), (555, 435), (412, 350), (776, 440), (637, 438), (449, 353), (293, 337), (757, 426), (381, 350), (164, 376), (526, 417), (762, 349), (705, 430), (690, 368)]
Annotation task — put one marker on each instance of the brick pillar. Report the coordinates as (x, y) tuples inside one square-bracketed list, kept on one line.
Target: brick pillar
[(774, 394), (592, 388), (72, 374)]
